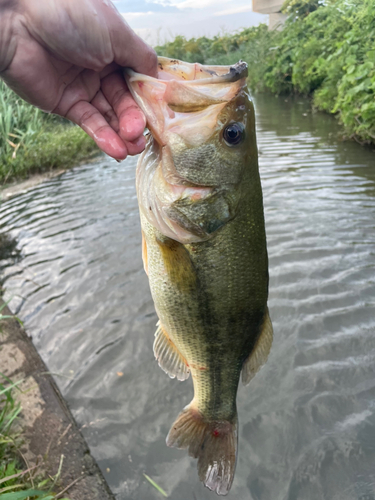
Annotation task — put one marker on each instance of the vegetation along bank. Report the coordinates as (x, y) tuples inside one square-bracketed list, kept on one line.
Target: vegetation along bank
[(32, 141), (326, 50)]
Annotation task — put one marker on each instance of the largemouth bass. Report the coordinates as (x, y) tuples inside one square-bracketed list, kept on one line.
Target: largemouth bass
[(204, 248)]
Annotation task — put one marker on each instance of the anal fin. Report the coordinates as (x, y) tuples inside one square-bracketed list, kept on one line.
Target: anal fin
[(168, 356), (259, 354)]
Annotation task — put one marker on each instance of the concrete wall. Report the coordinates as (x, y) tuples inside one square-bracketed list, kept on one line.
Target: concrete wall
[(267, 6), (276, 21)]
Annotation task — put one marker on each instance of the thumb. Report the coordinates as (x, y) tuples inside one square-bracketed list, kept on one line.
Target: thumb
[(131, 51)]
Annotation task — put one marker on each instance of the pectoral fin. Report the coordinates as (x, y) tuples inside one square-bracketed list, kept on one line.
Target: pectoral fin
[(169, 357), (260, 352)]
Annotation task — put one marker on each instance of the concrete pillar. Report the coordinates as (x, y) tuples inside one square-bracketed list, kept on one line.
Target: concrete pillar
[(276, 21), (273, 9), (267, 6)]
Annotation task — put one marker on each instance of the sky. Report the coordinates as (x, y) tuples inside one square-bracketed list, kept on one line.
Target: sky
[(157, 21)]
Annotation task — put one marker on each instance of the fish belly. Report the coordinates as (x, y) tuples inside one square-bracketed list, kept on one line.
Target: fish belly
[(211, 300)]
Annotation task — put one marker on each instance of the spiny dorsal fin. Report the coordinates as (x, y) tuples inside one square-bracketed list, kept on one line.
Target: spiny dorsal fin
[(168, 356), (260, 352)]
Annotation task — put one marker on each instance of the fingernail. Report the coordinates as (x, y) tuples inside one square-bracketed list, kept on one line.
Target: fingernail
[(140, 142)]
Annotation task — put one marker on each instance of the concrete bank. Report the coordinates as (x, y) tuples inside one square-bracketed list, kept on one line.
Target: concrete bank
[(47, 425)]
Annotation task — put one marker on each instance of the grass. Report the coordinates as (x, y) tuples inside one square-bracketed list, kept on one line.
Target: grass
[(32, 141), (7, 316), (17, 480), (155, 485)]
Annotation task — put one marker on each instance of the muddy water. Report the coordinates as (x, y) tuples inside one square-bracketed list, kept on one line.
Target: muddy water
[(307, 421)]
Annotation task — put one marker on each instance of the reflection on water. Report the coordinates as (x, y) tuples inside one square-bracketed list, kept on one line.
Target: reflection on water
[(307, 421)]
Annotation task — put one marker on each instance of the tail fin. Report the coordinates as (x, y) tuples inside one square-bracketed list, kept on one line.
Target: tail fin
[(213, 443)]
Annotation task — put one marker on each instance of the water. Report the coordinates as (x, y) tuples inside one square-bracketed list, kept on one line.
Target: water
[(307, 421)]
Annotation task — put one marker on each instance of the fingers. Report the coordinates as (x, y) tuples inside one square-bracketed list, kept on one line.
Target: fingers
[(131, 119), (103, 106), (105, 110), (94, 124)]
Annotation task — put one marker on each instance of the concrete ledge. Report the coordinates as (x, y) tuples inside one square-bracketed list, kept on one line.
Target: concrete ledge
[(46, 422)]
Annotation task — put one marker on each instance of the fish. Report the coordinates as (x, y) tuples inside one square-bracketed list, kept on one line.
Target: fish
[(204, 248)]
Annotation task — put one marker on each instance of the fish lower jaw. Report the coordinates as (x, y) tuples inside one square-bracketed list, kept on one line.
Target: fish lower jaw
[(194, 193)]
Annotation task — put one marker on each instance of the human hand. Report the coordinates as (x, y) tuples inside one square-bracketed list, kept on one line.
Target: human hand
[(65, 57)]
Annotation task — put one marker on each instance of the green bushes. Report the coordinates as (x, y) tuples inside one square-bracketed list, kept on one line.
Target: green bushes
[(326, 50), (251, 45), (330, 55), (33, 141)]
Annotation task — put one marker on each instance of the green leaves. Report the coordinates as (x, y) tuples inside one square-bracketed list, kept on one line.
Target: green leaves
[(301, 8), (325, 50), (251, 45), (330, 55)]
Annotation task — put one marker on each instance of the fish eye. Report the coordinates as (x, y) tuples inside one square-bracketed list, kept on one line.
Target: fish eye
[(233, 134)]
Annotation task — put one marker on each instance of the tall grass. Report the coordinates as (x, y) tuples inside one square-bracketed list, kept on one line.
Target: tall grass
[(33, 141)]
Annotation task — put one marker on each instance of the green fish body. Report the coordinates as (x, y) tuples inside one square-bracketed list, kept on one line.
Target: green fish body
[(204, 248)]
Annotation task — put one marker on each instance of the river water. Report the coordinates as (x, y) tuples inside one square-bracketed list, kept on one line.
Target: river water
[(307, 420)]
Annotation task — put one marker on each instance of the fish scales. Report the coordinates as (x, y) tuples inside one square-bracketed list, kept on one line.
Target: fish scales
[(204, 249)]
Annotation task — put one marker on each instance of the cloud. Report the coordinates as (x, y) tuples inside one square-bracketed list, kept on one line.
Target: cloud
[(164, 3), (197, 4), (133, 15), (238, 10), (130, 6), (157, 21)]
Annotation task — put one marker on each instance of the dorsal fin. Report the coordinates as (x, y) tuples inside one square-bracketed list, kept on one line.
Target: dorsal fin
[(260, 352), (169, 357)]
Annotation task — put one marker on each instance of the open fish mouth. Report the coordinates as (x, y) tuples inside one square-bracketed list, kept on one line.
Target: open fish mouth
[(185, 101), (183, 95), (192, 72)]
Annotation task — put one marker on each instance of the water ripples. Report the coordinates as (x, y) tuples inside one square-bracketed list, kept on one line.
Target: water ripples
[(307, 421)]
